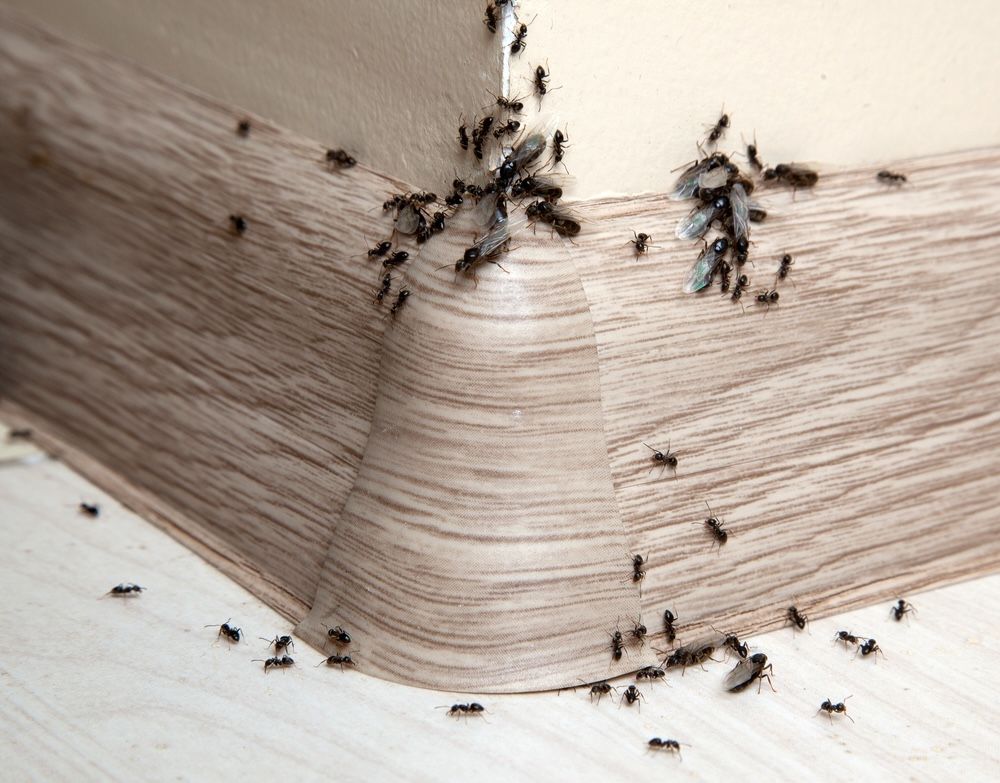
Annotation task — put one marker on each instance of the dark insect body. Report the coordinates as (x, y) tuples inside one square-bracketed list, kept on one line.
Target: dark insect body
[(491, 19), (748, 670), (638, 561), (401, 298), (243, 128), (541, 81), (463, 136), (276, 662), (668, 459), (719, 129), (792, 175), (901, 608), (238, 223), (669, 745), (830, 709), (631, 695), (870, 647), (650, 673), (383, 290), (785, 267), (380, 249), (231, 632), (457, 710), (340, 159), (125, 589), (890, 177), (519, 44), (641, 243), (337, 660), (847, 638), (716, 527), (280, 643), (796, 618), (91, 510), (669, 618), (600, 690), (617, 645), (338, 635), (559, 145)]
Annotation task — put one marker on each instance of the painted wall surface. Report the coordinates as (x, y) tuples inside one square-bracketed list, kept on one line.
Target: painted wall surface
[(843, 83), (385, 79)]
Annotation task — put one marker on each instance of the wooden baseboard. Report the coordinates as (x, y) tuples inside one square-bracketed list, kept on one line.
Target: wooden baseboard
[(464, 487)]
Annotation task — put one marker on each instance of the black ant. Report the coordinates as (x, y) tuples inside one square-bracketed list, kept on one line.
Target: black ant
[(380, 249), (490, 20), (125, 589), (797, 618), (638, 632), (741, 283), (767, 298), (869, 647), (463, 136), (383, 289), (338, 635), (669, 618), (559, 146), (719, 129), (741, 247), (715, 526), (748, 670), (477, 147), (847, 638), (401, 298), (483, 128), (239, 224), (650, 673), (541, 81), (340, 158), (510, 104), (830, 708), (337, 660), (901, 608), (231, 632), (732, 641), (512, 126), (642, 243), (631, 695), (397, 258), (281, 663), (725, 270), (437, 224), (243, 128), (600, 690), (785, 267), (617, 645), (454, 200), (752, 156), (665, 744), (280, 643), (668, 459), (519, 44), (465, 709), (638, 561), (21, 434), (890, 178), (791, 175), (91, 510)]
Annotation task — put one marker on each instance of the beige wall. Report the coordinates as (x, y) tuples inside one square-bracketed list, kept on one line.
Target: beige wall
[(841, 82)]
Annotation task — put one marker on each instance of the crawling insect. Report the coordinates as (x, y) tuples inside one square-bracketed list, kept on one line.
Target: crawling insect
[(667, 459), (632, 695), (91, 510), (601, 689), (650, 673), (340, 159), (238, 224), (748, 670), (715, 527), (901, 608), (669, 618), (796, 618), (519, 44), (785, 267), (243, 128), (641, 243), (280, 663), (231, 632), (126, 589), (830, 708), (890, 177), (638, 632), (401, 298), (638, 561), (337, 660), (790, 174), (847, 638), (870, 647), (456, 710), (337, 634), (696, 652), (383, 289), (672, 746), (491, 19), (767, 298), (719, 129), (559, 145), (617, 645), (541, 81), (381, 249), (280, 642)]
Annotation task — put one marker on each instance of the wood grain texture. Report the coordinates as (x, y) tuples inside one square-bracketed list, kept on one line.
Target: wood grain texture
[(130, 690), (466, 488)]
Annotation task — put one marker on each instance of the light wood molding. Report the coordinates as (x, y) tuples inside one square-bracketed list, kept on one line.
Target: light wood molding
[(464, 488)]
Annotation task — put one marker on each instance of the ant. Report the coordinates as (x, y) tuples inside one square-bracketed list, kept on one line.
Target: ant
[(401, 298), (742, 247), (338, 660), (600, 690), (724, 272), (437, 224), (830, 708), (239, 224), (631, 695), (380, 249), (338, 635), (869, 647), (490, 20), (785, 267), (650, 673), (475, 708), (890, 177), (715, 526), (668, 459), (512, 126), (767, 298), (791, 175), (797, 618), (340, 158), (280, 642), (91, 510), (510, 104), (397, 258), (669, 618), (719, 129), (231, 632), (541, 81), (21, 434), (847, 638), (477, 147), (125, 589), (638, 561), (638, 632), (243, 128), (617, 645), (665, 744), (384, 289), (281, 663), (901, 608), (752, 155), (732, 641), (751, 669), (483, 127), (519, 44), (741, 283), (463, 135), (559, 146), (454, 200), (642, 243)]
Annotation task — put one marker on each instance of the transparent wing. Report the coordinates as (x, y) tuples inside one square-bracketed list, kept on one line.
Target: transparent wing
[(713, 178), (687, 182), (407, 220), (740, 204), (491, 242), (701, 273), (741, 675), (697, 223)]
